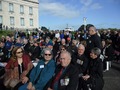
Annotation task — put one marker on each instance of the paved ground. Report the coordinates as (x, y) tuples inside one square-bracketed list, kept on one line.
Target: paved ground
[(112, 78)]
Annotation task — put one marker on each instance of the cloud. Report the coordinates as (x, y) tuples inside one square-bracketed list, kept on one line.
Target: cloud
[(66, 9), (86, 2), (96, 6), (58, 9), (89, 4)]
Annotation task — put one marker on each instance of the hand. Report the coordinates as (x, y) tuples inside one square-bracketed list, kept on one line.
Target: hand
[(24, 73), (29, 87), (49, 89), (33, 88), (86, 77), (24, 80)]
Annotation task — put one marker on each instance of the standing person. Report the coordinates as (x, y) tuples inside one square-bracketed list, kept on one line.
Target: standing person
[(17, 68), (66, 75), (94, 77), (93, 41), (42, 73), (108, 55)]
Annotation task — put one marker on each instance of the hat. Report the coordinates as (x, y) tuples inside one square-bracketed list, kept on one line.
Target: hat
[(49, 44), (35, 37)]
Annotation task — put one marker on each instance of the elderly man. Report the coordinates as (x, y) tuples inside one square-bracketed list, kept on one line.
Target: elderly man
[(66, 75), (81, 63)]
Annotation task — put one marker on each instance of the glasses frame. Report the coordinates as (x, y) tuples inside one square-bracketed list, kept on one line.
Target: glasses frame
[(19, 52), (48, 54)]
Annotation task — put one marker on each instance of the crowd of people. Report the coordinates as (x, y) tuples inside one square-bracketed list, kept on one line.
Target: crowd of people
[(57, 60)]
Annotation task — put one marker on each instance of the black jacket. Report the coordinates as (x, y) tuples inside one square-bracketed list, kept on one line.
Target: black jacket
[(96, 73), (81, 63), (93, 41), (70, 73)]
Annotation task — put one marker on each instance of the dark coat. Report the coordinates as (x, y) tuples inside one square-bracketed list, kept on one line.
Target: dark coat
[(109, 51), (71, 73), (81, 63), (93, 41), (96, 73), (3, 53), (36, 53)]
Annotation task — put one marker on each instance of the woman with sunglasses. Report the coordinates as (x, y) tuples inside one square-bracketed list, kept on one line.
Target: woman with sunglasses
[(42, 73), (17, 68)]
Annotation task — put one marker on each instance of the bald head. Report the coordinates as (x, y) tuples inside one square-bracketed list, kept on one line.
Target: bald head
[(65, 58)]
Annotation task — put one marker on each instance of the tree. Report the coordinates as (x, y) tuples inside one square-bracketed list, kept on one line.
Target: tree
[(81, 28), (43, 28)]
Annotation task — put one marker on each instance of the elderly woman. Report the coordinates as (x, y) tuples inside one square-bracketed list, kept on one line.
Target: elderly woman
[(17, 68), (42, 73), (94, 78)]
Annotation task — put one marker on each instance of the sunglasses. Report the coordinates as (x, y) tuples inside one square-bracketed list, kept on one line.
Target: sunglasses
[(63, 49), (47, 54), (19, 52)]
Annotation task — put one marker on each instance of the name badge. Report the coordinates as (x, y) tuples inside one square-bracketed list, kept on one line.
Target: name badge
[(64, 82), (78, 61), (41, 66)]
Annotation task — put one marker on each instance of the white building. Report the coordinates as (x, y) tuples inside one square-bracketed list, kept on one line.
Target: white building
[(21, 14)]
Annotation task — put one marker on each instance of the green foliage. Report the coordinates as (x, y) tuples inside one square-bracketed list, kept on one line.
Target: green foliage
[(6, 32), (43, 28)]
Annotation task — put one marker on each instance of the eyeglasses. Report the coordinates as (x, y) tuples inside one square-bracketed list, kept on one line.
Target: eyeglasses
[(47, 54), (63, 49), (19, 52)]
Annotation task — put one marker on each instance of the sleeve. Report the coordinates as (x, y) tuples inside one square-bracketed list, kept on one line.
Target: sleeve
[(8, 66), (97, 43)]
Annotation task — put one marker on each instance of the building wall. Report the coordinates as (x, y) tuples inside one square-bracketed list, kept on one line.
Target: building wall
[(17, 15)]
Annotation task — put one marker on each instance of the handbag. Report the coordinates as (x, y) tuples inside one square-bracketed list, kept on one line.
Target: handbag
[(13, 82), (10, 79)]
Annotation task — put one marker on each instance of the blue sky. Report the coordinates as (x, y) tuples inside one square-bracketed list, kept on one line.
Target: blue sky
[(57, 14)]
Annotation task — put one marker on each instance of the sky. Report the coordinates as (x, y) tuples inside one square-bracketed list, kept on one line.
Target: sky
[(59, 14)]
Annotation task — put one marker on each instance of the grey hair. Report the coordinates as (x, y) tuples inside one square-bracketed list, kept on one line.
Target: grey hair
[(96, 51), (47, 49), (81, 45)]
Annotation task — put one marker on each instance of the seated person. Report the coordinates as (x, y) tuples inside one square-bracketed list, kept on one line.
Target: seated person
[(66, 75), (42, 73), (94, 77), (17, 68)]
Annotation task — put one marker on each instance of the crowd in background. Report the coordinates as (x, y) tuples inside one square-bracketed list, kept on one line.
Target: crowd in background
[(83, 56)]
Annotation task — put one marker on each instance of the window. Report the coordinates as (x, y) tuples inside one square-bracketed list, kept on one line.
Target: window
[(22, 21), (21, 9), (30, 10), (0, 6), (12, 21), (11, 8), (31, 22), (1, 19)]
